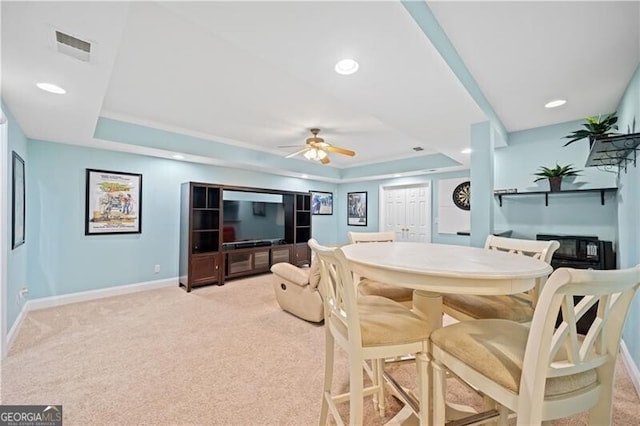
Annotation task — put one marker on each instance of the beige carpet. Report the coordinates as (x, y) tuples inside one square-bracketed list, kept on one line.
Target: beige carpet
[(217, 356)]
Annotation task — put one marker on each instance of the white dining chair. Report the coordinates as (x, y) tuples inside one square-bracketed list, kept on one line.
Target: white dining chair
[(543, 372), (516, 307), (366, 328), (369, 287)]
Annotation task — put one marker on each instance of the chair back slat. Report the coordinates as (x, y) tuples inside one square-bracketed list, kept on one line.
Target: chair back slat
[(538, 249), (337, 282), (561, 351)]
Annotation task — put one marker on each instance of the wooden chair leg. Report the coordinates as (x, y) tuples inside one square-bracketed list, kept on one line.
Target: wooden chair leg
[(439, 393), (379, 381), (328, 377), (356, 392), (600, 414), (424, 379)]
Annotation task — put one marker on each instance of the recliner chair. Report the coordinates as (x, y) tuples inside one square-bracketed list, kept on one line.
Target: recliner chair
[(297, 291)]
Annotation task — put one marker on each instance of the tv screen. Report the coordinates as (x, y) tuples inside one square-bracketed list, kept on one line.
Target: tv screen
[(252, 216)]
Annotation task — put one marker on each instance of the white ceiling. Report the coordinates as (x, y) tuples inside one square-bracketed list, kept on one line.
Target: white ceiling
[(260, 74)]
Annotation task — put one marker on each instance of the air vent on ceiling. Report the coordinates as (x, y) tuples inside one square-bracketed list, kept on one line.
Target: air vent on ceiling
[(418, 148), (74, 47)]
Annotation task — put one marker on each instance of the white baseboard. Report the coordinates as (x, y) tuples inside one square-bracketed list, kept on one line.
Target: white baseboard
[(83, 296), (11, 335), (631, 366)]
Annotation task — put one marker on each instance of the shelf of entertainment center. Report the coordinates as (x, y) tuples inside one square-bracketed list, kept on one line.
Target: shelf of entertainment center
[(602, 191)]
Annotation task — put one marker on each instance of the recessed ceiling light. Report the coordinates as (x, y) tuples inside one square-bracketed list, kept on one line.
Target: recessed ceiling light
[(466, 151), (304, 176), (178, 156), (555, 103), (397, 175), (51, 88), (346, 67)]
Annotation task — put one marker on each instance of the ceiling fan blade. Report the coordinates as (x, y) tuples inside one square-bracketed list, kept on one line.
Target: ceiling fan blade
[(325, 160), (293, 154), (340, 150)]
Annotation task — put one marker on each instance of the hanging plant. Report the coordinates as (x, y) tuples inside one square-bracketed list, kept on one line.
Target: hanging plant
[(595, 127)]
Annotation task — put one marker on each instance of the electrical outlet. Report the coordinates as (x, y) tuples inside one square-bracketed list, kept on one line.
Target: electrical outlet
[(156, 269), (22, 294)]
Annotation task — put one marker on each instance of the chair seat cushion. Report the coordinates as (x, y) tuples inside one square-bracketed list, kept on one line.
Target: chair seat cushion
[(385, 322), (368, 287), (490, 307), (495, 349)]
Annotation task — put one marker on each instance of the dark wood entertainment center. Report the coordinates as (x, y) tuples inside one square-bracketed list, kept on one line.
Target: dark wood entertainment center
[(209, 252)]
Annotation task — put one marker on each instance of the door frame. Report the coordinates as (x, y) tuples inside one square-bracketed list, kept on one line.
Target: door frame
[(4, 155), (391, 186)]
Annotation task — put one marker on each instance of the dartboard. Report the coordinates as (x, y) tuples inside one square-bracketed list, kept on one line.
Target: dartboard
[(462, 196)]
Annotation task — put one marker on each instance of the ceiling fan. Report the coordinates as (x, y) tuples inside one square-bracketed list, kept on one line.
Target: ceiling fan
[(317, 149)]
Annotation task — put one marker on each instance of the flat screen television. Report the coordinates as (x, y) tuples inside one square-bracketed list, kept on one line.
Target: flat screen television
[(252, 217)]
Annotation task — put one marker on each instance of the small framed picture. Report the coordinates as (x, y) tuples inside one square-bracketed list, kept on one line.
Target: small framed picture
[(357, 209), (114, 203), (321, 202)]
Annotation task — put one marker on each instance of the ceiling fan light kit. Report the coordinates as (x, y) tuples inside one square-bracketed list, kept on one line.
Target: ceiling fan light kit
[(315, 154), (317, 149)]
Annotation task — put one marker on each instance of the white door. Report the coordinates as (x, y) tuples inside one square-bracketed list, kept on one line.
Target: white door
[(406, 211)]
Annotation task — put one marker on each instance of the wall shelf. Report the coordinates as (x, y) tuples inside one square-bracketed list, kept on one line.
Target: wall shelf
[(614, 151), (546, 193)]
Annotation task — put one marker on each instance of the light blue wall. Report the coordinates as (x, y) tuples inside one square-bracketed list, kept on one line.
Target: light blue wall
[(63, 260), (16, 258), (572, 213), (629, 205)]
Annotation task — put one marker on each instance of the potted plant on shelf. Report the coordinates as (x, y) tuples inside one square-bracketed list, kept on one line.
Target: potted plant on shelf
[(595, 127), (555, 175)]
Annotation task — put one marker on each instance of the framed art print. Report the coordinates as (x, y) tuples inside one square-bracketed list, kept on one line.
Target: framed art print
[(357, 209), (114, 203), (321, 202), (17, 201)]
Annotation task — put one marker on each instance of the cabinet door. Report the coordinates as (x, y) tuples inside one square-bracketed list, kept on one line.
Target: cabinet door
[(280, 254), (261, 261), (301, 254), (204, 269), (239, 263)]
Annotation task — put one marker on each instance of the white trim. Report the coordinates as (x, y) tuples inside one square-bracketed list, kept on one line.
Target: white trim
[(83, 296), (4, 230), (632, 368)]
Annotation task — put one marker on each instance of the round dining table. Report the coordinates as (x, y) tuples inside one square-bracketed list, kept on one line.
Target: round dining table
[(435, 269)]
